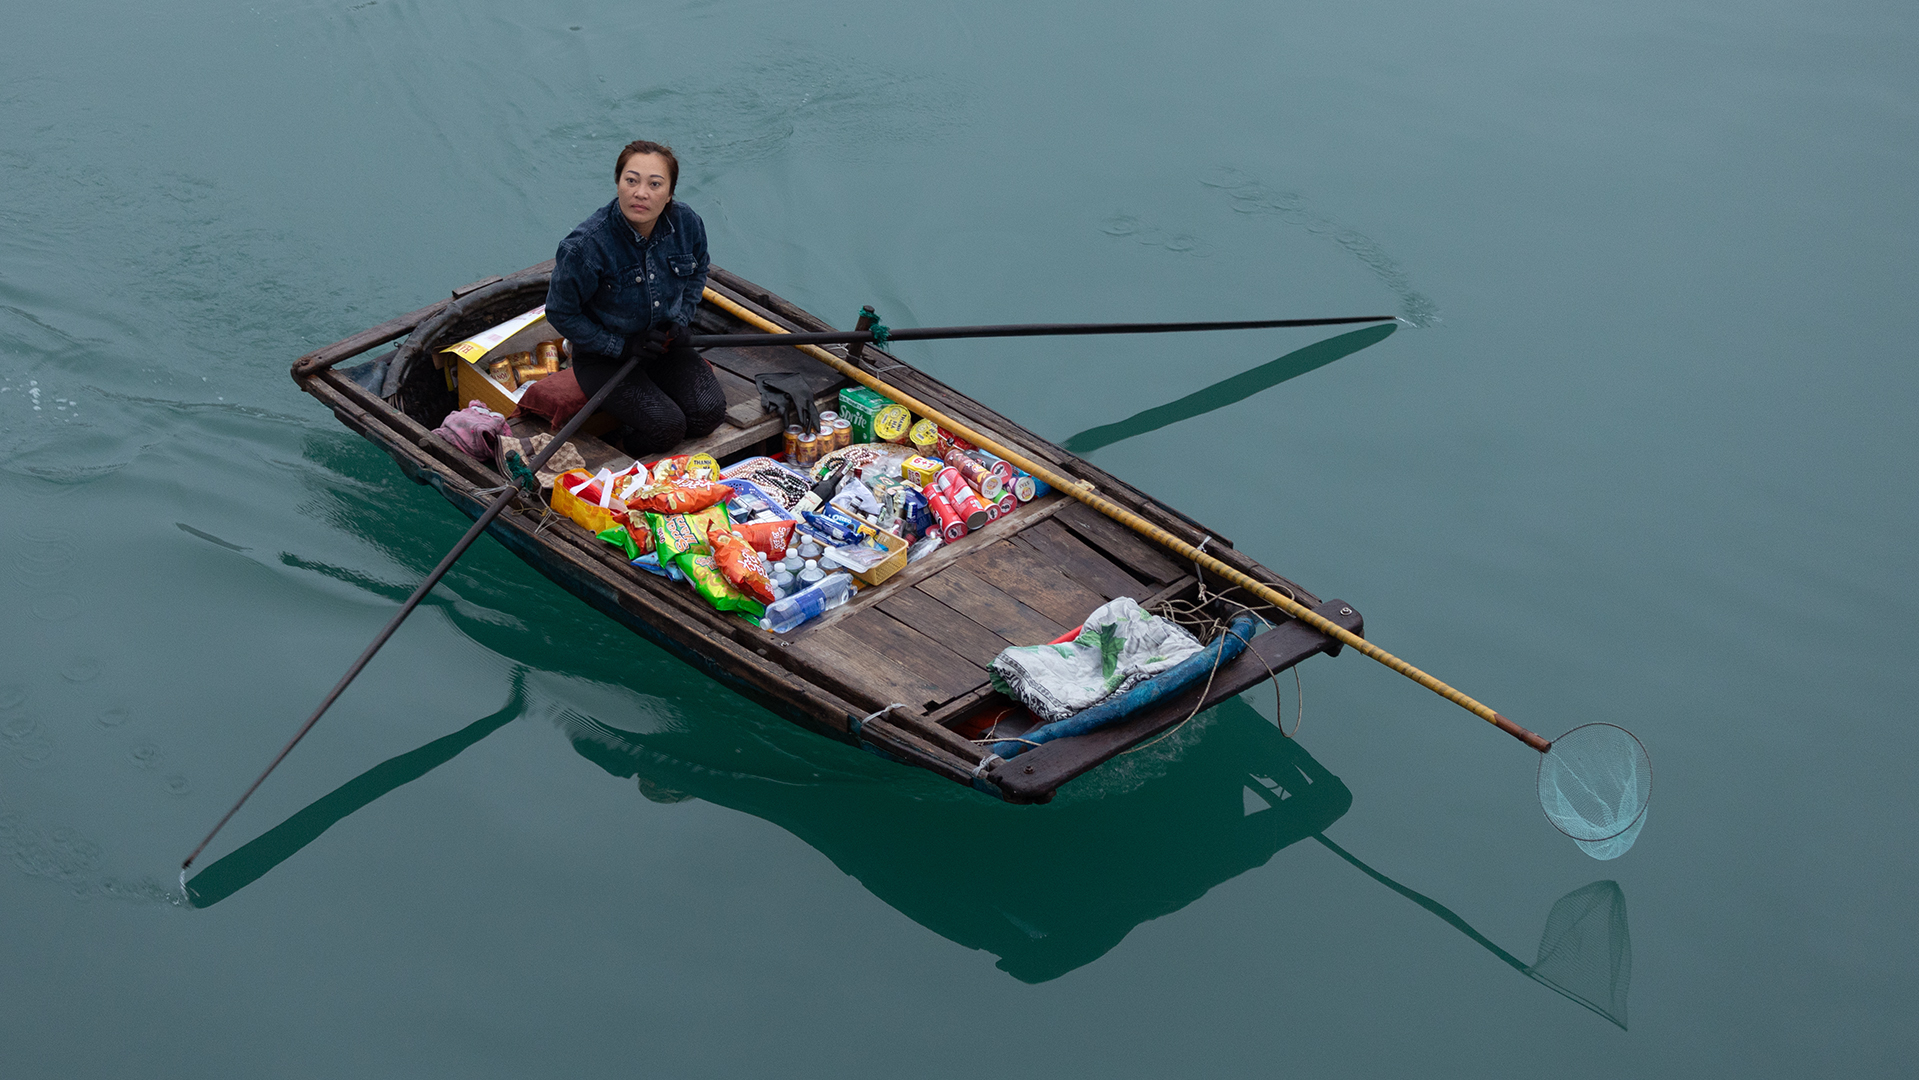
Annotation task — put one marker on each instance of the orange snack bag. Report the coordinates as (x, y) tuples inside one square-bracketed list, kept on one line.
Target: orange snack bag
[(667, 470), (769, 538), (678, 498), (743, 567)]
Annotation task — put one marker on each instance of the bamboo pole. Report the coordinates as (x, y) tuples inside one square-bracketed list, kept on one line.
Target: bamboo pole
[(1085, 493)]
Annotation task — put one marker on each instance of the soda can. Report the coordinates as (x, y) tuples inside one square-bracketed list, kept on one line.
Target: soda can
[(809, 451), (971, 508), (1008, 503), (842, 433), (945, 517), (793, 444)]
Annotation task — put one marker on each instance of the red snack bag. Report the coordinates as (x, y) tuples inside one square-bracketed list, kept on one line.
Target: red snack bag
[(678, 498), (743, 567), (769, 538)]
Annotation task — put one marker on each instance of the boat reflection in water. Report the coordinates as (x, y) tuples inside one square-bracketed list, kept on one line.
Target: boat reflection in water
[(1143, 837)]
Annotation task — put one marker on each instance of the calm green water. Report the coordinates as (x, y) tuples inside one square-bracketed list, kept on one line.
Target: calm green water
[(1647, 459)]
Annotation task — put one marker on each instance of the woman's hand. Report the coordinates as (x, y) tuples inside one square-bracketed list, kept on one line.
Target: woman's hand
[(648, 344)]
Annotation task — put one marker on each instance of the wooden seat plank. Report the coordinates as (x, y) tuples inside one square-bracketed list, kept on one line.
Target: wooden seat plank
[(1118, 541), (742, 398), (959, 589), (941, 623), (1019, 571), (1082, 563), (945, 669)]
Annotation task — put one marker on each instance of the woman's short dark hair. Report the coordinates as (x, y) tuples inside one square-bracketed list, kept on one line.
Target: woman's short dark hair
[(642, 146)]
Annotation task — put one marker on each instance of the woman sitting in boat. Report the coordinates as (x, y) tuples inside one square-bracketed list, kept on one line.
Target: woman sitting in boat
[(626, 283)]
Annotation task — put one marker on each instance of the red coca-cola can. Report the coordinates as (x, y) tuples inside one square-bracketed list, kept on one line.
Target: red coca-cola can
[(945, 518), (971, 508)]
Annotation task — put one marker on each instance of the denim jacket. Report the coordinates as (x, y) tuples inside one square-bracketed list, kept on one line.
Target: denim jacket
[(609, 281)]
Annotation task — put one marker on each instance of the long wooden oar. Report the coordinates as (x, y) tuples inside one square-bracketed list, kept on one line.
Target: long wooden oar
[(419, 594), (1083, 491), (880, 335)]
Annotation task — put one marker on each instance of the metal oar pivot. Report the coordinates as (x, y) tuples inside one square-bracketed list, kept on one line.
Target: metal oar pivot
[(479, 526)]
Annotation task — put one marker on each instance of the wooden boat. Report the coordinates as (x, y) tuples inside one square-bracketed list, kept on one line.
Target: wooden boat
[(901, 668)]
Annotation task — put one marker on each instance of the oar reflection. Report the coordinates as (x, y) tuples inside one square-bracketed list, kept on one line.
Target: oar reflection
[(1232, 390)]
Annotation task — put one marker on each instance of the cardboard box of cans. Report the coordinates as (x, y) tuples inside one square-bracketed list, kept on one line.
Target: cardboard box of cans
[(858, 406)]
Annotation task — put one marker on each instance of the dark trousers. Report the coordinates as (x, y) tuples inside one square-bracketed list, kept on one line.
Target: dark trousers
[(661, 404)]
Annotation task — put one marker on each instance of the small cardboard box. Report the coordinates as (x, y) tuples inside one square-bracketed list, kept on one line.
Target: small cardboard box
[(466, 365), (467, 361)]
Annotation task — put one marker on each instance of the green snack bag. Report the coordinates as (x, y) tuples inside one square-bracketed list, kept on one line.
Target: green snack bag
[(678, 534), (620, 538), (704, 575)]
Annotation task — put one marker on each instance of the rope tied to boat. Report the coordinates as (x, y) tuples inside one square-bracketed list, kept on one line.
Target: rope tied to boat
[(1194, 615), (875, 715), (881, 335)]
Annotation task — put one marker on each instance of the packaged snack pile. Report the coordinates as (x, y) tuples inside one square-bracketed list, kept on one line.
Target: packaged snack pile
[(779, 542)]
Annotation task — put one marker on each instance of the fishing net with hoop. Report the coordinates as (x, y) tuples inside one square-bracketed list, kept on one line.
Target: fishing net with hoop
[(1594, 785)]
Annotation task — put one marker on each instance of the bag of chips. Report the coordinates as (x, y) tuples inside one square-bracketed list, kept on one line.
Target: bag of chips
[(634, 538), (703, 573), (769, 538), (669, 469), (743, 567), (685, 498), (678, 534)]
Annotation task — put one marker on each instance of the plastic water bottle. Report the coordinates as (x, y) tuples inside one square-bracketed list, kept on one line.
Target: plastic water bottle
[(786, 614)]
